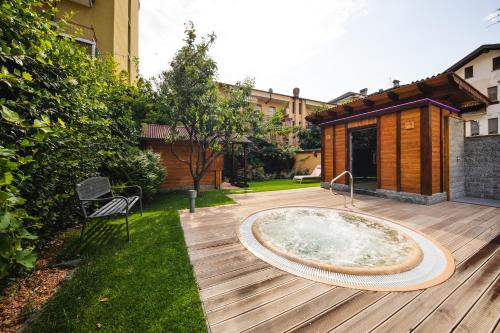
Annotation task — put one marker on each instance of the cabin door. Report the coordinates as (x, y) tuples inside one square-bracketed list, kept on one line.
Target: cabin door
[(363, 157)]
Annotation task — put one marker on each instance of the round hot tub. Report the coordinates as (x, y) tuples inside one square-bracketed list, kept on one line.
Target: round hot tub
[(346, 248)]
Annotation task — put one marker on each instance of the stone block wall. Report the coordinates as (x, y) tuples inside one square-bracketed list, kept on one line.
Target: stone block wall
[(457, 172), (482, 166)]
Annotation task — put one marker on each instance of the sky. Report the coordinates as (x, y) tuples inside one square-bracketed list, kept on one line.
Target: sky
[(324, 47)]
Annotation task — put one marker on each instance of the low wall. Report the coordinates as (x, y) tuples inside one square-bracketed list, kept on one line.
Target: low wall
[(482, 166), (307, 160)]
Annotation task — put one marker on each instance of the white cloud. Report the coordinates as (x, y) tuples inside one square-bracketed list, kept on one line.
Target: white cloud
[(261, 39)]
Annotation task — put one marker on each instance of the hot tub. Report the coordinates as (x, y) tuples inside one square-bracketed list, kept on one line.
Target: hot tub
[(346, 248)]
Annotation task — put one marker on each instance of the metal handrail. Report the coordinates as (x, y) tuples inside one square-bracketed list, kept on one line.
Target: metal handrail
[(351, 184)]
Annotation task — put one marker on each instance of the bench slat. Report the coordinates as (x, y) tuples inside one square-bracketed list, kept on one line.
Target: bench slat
[(115, 206)]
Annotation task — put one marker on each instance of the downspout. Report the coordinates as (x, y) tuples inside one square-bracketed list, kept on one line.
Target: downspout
[(129, 64)]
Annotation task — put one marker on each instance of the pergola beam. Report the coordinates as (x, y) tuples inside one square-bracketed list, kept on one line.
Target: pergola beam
[(393, 96), (368, 102), (424, 88)]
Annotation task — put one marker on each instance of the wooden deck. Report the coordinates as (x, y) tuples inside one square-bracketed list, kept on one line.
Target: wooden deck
[(242, 293)]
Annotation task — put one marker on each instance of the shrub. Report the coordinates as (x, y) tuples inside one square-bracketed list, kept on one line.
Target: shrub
[(137, 167), (62, 117), (275, 158), (310, 137)]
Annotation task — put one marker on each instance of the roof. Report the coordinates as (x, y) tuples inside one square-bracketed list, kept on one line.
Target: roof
[(474, 54), (341, 97), (222, 84), (160, 132), (447, 88)]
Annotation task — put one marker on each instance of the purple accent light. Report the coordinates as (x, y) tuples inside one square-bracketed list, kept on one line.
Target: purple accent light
[(388, 110)]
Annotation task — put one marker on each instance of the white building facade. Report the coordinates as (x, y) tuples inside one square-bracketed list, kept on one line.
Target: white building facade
[(481, 69)]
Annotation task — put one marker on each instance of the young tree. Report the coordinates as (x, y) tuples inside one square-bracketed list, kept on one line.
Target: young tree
[(196, 110)]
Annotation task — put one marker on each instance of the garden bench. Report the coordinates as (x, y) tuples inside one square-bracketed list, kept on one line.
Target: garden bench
[(94, 190)]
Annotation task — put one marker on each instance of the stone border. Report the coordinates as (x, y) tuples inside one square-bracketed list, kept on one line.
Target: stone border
[(404, 266), (388, 194)]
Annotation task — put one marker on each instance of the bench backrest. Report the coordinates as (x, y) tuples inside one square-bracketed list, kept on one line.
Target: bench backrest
[(93, 188)]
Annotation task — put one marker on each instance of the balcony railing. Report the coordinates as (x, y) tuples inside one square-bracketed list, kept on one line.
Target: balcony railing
[(83, 35)]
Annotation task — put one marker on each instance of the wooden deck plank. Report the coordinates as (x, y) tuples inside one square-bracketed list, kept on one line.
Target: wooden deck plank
[(454, 308), (241, 292), (484, 316), (252, 318), (411, 315), (253, 302), (236, 295)]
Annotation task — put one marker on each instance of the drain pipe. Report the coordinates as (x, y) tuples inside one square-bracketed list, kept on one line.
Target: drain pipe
[(192, 200)]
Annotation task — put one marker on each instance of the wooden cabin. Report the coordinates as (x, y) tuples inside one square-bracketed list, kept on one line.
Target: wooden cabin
[(178, 174), (400, 142)]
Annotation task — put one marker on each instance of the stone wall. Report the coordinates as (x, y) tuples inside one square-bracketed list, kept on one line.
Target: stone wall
[(482, 166), (456, 140)]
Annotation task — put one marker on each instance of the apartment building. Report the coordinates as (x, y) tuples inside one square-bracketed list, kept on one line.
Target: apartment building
[(481, 69), (296, 108), (105, 27)]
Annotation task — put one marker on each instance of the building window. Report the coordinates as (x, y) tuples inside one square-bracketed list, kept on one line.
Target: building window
[(496, 63), (493, 126), (469, 72), (258, 107), (493, 93), (474, 127), (271, 111)]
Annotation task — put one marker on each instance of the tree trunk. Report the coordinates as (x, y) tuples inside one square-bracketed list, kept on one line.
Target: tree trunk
[(196, 184)]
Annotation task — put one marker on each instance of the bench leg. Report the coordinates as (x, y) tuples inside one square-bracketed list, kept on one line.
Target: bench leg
[(126, 223), (83, 228), (140, 202)]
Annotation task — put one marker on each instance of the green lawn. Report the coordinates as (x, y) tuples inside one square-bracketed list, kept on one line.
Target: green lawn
[(148, 282), (273, 185)]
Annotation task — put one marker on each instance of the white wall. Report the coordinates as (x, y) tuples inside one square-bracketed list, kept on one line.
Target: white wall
[(484, 77)]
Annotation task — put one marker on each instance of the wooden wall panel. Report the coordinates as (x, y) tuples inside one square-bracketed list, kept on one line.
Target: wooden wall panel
[(436, 148), (410, 151), (340, 151), (387, 152), (362, 122), (328, 153), (178, 175)]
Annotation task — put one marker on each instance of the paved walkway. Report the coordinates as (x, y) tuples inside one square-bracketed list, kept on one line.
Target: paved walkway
[(242, 293)]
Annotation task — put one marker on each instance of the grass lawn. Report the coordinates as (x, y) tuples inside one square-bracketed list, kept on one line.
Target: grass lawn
[(146, 285), (273, 185)]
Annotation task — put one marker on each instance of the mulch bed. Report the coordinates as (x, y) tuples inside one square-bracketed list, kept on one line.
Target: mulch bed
[(22, 298)]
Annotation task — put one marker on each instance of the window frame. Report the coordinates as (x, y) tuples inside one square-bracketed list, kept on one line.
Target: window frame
[(495, 98), (489, 124), (471, 67), (497, 64), (472, 122), (269, 111)]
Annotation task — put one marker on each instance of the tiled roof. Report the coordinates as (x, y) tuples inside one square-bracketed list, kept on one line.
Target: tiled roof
[(160, 132)]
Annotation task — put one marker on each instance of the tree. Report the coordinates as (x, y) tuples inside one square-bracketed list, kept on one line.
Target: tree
[(310, 137), (189, 98)]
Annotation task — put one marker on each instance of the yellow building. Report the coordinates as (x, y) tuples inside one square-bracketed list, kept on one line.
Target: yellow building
[(106, 27), (296, 108)]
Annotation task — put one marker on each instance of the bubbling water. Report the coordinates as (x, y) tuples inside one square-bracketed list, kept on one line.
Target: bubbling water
[(334, 238)]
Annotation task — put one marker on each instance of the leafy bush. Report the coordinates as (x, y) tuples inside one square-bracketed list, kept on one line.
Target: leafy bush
[(137, 167), (62, 117), (310, 137), (274, 158)]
